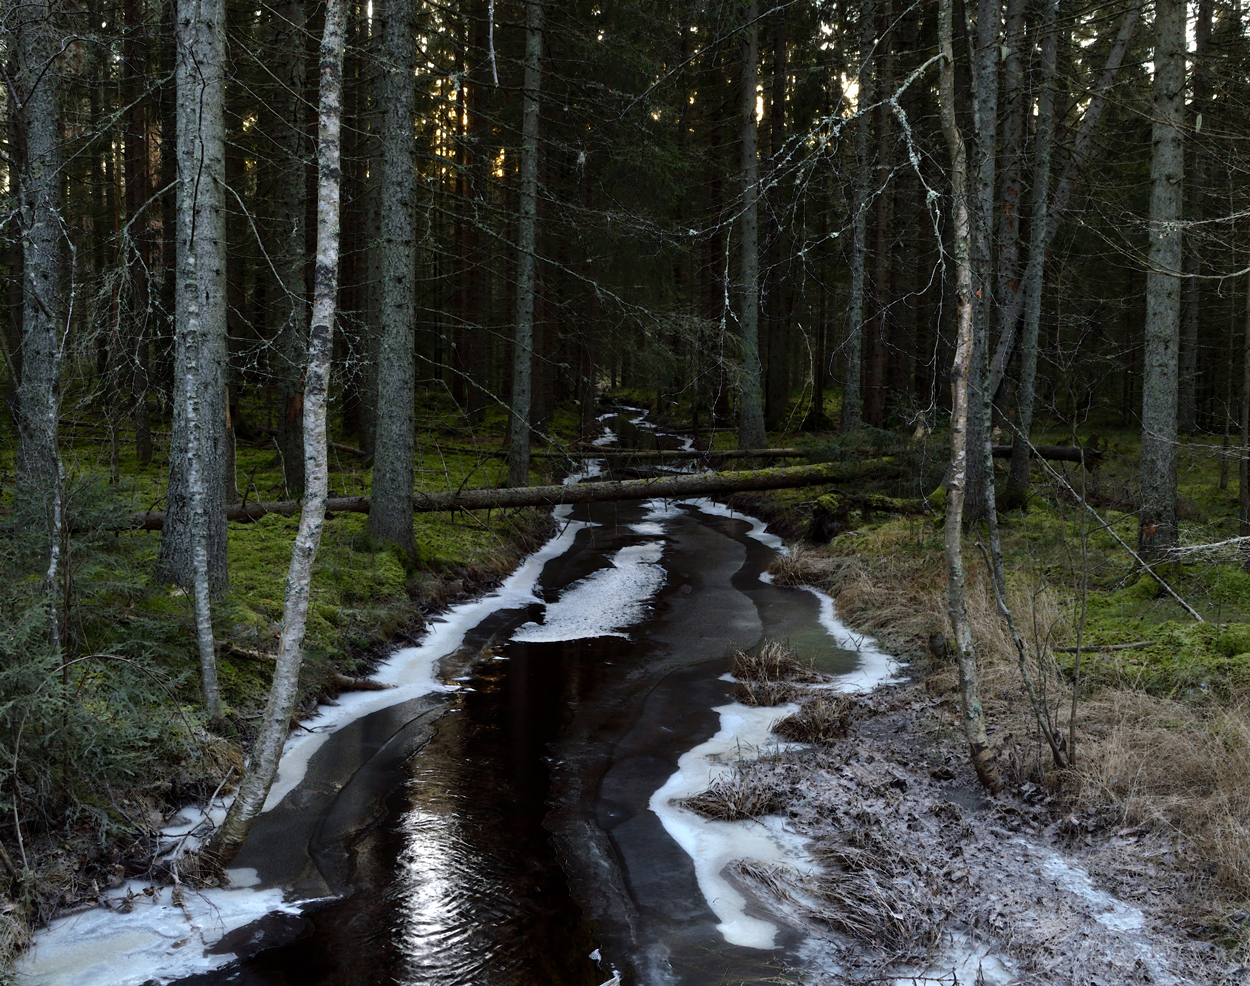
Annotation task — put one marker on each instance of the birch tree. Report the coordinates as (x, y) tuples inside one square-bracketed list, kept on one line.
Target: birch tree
[(262, 768), (527, 262), (1157, 519), (391, 517), (961, 249)]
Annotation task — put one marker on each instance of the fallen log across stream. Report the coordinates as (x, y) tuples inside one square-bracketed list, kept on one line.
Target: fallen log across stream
[(675, 487)]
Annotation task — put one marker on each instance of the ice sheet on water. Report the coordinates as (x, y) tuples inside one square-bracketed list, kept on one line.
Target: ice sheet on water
[(713, 844), (157, 940), (604, 603), (411, 669), (875, 668)]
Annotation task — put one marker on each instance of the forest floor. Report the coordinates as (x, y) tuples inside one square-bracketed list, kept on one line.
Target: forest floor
[(1131, 864)]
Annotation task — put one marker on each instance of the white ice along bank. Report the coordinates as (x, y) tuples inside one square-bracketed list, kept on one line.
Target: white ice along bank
[(713, 844)]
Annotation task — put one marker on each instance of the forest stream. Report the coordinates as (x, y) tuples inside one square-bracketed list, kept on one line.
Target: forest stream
[(507, 815)]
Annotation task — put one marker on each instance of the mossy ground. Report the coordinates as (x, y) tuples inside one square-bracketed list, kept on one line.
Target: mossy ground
[(141, 699)]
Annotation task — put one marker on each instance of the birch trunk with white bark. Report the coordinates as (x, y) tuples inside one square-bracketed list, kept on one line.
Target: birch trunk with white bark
[(263, 766)]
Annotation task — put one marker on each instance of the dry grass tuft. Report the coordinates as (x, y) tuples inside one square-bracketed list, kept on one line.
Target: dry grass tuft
[(803, 566), (763, 693), (736, 797), (877, 892), (825, 719), (773, 662)]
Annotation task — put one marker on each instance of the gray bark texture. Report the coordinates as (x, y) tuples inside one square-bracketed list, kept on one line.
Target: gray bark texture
[(200, 302), (1187, 398), (853, 350), (527, 261), (34, 95), (1157, 519), (1034, 272), (290, 253), (1243, 471), (1007, 300), (980, 475), (973, 714), (750, 398), (1082, 151), (391, 517), (262, 768)]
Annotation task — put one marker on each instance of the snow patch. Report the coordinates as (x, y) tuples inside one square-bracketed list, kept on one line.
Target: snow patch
[(712, 844), (1109, 912), (604, 603)]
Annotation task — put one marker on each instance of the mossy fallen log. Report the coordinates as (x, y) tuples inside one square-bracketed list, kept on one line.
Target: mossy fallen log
[(668, 488)]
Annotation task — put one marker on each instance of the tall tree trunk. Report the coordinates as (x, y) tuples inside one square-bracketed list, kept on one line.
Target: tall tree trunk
[(263, 765), (289, 254), (291, 208), (138, 188), (882, 228), (980, 400), (1243, 465), (965, 654), (1007, 300), (1187, 398), (34, 95), (777, 371), (527, 265), (195, 530), (750, 398), (852, 386), (1034, 274), (1082, 152), (391, 517), (1157, 520)]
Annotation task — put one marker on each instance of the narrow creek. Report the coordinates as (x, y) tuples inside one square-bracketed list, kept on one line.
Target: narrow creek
[(508, 820)]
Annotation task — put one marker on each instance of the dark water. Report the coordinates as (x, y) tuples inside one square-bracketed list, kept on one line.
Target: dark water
[(504, 837)]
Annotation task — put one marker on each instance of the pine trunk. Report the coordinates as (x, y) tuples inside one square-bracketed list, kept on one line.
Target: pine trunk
[(38, 462), (1157, 520), (263, 765), (980, 476), (527, 261), (1034, 274), (290, 254), (194, 535), (852, 383), (391, 517), (750, 399)]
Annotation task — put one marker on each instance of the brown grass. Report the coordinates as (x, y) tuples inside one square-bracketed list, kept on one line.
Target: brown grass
[(736, 797), (773, 662), (763, 692), (1142, 760), (825, 718)]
